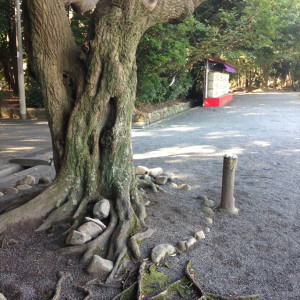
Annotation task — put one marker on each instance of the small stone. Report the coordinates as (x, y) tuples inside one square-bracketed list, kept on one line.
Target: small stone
[(181, 246), (184, 187), (161, 251), (199, 235), (207, 210), (2, 297), (28, 179), (207, 229), (1, 194), (209, 203), (202, 197), (101, 209), (96, 221), (24, 187), (208, 220), (77, 238), (10, 191), (141, 170), (99, 265), (147, 203), (161, 179), (155, 172), (90, 228), (191, 242), (171, 176), (173, 185), (45, 180)]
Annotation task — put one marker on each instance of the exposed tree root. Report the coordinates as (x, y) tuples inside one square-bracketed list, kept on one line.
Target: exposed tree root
[(117, 265), (191, 276), (129, 293), (137, 238), (86, 291), (146, 184), (140, 281), (61, 277)]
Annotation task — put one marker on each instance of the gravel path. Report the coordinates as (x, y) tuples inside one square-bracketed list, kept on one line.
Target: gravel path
[(255, 252)]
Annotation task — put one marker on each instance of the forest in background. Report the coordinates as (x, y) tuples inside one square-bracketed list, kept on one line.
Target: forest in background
[(261, 38)]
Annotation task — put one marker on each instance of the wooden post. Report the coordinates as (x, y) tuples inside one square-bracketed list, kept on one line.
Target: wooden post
[(227, 198)]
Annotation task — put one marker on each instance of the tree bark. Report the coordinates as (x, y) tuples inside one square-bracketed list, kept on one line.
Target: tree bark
[(89, 97)]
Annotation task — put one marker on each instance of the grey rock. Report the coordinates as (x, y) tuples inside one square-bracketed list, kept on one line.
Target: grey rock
[(191, 243), (171, 176), (181, 246), (207, 229), (141, 170), (174, 185), (10, 191), (24, 187), (28, 179), (97, 221), (101, 209), (207, 210), (1, 194), (155, 172), (161, 179), (77, 238), (45, 180), (199, 235), (147, 177), (208, 221), (159, 252), (99, 265), (90, 228), (208, 203)]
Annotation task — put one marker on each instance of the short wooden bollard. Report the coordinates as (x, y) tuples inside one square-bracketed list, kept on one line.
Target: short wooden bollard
[(227, 198)]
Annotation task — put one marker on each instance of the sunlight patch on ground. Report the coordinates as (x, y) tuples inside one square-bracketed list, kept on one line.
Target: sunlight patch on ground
[(261, 143), (222, 134), (14, 149)]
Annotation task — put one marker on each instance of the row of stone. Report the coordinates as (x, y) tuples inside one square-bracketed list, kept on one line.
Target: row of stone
[(92, 227), (158, 176), (25, 183), (162, 251)]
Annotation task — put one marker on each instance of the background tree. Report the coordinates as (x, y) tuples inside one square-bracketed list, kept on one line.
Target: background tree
[(89, 97)]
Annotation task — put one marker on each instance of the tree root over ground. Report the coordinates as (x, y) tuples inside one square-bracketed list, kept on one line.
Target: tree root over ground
[(184, 287)]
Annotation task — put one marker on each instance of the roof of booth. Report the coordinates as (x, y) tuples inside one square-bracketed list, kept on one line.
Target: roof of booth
[(218, 64)]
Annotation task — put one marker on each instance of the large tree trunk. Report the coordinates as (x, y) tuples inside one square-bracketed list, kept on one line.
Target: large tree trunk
[(89, 96)]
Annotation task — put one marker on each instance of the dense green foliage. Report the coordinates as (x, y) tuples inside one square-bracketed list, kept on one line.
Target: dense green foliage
[(260, 37)]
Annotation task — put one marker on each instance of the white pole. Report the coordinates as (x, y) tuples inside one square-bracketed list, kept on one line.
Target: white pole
[(22, 102), (206, 81)]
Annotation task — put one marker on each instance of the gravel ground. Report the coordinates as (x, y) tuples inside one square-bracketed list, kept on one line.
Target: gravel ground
[(254, 252)]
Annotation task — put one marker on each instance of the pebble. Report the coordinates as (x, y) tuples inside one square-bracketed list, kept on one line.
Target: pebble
[(160, 251), (174, 185), (90, 228), (23, 187), (199, 235), (161, 179), (77, 238), (101, 209), (184, 187), (99, 265), (191, 242), (181, 246), (45, 180), (209, 203), (171, 176), (1, 194), (97, 221), (207, 210), (10, 191), (28, 179), (155, 172), (208, 220), (207, 229), (141, 170)]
